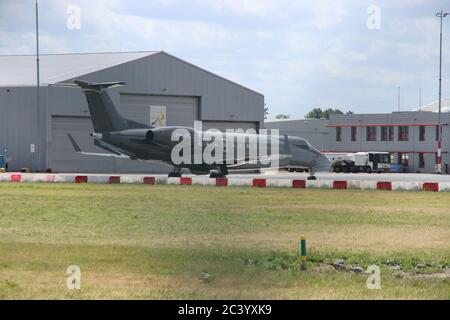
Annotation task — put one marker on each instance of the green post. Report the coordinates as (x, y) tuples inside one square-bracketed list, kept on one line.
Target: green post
[(303, 252)]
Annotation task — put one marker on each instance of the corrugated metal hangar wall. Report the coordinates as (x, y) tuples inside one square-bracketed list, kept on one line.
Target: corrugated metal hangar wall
[(189, 93)]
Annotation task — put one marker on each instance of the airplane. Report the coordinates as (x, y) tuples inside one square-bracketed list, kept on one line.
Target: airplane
[(128, 139)]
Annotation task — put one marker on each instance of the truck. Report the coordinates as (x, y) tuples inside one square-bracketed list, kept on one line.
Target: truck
[(367, 162)]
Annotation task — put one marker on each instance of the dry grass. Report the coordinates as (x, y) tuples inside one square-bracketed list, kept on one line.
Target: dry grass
[(153, 242)]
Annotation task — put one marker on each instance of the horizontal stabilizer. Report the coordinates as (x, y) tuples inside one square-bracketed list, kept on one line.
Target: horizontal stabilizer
[(75, 145), (77, 149), (97, 86)]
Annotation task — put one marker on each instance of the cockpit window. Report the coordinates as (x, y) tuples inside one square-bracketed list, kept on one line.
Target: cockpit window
[(302, 145)]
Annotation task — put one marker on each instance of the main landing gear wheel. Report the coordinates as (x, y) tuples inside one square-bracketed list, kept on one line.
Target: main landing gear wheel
[(217, 175), (174, 175)]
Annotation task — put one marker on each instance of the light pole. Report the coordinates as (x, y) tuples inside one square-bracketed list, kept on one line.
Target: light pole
[(37, 148), (440, 15)]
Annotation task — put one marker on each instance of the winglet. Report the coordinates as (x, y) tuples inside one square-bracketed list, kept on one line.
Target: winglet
[(74, 143)]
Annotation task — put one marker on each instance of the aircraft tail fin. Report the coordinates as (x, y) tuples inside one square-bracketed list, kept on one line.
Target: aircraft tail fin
[(104, 114)]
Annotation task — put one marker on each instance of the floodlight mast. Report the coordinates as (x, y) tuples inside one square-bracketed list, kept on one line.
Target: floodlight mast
[(37, 148), (440, 15)]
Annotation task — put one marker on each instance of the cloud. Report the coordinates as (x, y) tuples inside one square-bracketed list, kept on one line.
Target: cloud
[(288, 49)]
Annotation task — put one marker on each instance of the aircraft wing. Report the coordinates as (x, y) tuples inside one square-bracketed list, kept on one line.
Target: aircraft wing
[(279, 157), (77, 149)]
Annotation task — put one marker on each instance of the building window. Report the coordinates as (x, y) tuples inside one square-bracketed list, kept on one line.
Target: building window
[(338, 134), (391, 133), (384, 133), (371, 133), (422, 133), (421, 160), (354, 133), (403, 133), (437, 133)]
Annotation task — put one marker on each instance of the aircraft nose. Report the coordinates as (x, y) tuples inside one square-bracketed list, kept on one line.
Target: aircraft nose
[(322, 164)]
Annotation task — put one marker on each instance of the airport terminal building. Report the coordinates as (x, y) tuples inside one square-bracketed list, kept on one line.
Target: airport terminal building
[(36, 138), (410, 137)]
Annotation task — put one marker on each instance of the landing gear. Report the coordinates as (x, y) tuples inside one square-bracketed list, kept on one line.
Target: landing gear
[(312, 176), (221, 173), (176, 173), (217, 175)]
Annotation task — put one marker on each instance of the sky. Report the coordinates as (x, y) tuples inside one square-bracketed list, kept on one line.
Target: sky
[(301, 54)]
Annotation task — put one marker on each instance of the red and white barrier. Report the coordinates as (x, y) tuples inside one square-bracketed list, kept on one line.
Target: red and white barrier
[(229, 182)]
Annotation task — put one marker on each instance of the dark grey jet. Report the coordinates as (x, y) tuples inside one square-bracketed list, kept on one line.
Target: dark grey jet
[(129, 139)]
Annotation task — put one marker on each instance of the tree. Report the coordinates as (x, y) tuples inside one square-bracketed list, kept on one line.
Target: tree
[(266, 112), (318, 113), (283, 117)]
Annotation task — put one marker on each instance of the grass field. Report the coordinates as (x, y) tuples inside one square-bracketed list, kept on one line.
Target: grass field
[(172, 242)]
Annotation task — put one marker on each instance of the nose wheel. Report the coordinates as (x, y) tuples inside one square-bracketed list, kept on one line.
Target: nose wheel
[(221, 173), (176, 173)]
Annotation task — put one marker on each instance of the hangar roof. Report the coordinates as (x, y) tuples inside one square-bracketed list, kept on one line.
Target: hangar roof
[(20, 70)]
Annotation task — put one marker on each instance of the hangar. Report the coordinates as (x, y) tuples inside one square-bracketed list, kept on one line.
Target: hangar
[(36, 138)]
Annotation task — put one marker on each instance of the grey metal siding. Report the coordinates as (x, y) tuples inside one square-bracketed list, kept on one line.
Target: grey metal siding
[(19, 126), (313, 130)]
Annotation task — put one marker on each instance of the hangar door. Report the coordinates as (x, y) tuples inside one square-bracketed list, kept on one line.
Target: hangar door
[(179, 111), (63, 158)]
